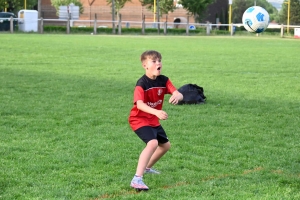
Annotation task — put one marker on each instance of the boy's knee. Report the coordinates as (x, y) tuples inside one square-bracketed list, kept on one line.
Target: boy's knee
[(153, 143), (166, 146)]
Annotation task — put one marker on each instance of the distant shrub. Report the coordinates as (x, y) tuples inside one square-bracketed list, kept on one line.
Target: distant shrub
[(154, 31)]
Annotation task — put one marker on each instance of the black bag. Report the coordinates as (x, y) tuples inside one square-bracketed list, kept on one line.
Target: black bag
[(192, 94)]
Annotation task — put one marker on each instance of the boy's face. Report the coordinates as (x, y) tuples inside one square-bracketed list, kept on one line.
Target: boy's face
[(153, 67)]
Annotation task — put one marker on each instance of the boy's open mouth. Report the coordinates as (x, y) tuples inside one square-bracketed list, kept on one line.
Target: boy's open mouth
[(158, 68)]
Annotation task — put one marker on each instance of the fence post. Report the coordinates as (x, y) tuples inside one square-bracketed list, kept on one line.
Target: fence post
[(281, 31), (207, 29), (166, 25), (68, 24), (95, 24), (231, 29), (165, 28), (143, 25), (11, 25), (187, 28), (42, 26), (120, 25)]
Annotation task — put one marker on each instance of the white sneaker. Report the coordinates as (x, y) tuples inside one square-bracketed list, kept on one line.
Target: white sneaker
[(138, 184), (151, 171)]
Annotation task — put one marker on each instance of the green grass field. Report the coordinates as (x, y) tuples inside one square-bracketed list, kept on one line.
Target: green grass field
[(65, 100)]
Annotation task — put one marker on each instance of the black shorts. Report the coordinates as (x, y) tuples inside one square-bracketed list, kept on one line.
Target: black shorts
[(147, 133)]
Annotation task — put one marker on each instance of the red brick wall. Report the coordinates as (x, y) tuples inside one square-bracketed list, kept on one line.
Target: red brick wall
[(132, 11)]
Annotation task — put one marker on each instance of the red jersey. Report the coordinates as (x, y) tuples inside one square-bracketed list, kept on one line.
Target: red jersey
[(152, 93)]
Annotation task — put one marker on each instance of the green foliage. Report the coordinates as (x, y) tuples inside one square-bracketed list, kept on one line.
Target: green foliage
[(195, 7), (65, 101), (294, 13), (57, 3), (239, 7), (200, 31), (135, 31), (118, 4), (165, 6), (16, 5)]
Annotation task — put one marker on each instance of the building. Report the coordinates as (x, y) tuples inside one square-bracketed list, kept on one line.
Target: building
[(133, 12)]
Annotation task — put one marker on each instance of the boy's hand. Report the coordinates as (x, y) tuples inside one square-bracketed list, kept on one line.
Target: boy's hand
[(175, 98), (161, 114)]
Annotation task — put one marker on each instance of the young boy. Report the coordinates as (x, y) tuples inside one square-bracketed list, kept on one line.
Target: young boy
[(147, 111)]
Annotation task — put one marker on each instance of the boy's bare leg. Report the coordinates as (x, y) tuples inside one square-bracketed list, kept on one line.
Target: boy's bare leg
[(145, 156), (159, 152)]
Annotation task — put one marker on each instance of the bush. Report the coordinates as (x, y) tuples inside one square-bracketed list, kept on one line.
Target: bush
[(153, 31)]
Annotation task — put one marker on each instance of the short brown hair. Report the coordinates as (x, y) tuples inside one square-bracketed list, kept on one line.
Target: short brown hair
[(152, 54)]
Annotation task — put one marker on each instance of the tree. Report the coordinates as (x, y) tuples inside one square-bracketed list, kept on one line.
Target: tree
[(15, 5), (57, 3), (196, 7), (119, 4), (165, 6), (239, 7), (294, 13)]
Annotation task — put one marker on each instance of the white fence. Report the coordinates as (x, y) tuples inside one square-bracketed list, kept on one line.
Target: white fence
[(161, 26)]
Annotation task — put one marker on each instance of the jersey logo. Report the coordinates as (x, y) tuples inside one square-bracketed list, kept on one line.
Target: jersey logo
[(153, 105), (159, 92)]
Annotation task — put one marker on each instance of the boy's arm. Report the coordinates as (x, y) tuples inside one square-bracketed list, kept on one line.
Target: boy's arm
[(158, 113), (176, 97)]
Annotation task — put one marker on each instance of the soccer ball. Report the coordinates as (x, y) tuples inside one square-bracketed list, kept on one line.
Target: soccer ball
[(256, 19)]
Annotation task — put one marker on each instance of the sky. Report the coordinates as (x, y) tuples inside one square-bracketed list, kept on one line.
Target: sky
[(276, 3)]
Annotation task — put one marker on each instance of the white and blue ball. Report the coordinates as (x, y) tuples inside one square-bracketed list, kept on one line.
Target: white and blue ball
[(256, 19)]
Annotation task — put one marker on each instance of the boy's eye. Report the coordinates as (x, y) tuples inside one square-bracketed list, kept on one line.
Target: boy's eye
[(156, 60)]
